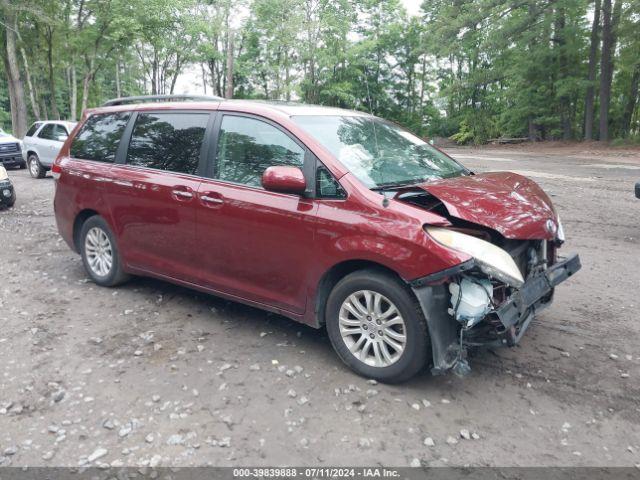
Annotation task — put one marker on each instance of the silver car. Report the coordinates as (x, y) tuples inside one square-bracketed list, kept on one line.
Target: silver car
[(42, 143)]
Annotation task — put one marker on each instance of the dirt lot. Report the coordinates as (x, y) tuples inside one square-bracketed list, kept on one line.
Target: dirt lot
[(154, 374)]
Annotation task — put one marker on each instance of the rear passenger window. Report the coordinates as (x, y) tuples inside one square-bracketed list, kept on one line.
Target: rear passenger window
[(99, 137), (168, 141), (47, 132)]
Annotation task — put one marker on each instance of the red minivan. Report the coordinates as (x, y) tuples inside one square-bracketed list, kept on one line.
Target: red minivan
[(330, 217)]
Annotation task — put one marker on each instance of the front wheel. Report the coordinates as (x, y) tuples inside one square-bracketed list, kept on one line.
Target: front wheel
[(100, 254), (12, 200), (36, 170), (377, 327)]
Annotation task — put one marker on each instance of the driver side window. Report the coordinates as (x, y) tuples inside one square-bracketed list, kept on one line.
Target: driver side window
[(247, 147)]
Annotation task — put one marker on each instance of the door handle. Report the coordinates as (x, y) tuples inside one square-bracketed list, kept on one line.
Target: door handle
[(182, 194), (208, 199)]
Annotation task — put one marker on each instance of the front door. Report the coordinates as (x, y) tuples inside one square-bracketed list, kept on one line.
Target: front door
[(252, 243), (153, 192)]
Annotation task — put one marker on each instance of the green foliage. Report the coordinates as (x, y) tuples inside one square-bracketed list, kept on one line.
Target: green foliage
[(470, 69)]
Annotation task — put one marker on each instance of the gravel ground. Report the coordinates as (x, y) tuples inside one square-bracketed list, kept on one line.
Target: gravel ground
[(153, 374)]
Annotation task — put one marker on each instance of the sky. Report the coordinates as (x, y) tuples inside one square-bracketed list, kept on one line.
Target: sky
[(190, 81), (412, 6)]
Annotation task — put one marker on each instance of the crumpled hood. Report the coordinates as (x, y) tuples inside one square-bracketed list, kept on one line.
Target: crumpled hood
[(507, 202)]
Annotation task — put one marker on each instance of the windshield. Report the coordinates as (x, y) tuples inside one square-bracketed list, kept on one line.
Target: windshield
[(379, 153)]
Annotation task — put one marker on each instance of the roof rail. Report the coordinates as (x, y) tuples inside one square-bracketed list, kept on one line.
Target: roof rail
[(162, 98)]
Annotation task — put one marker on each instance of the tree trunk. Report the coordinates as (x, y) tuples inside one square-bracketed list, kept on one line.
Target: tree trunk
[(14, 80), (73, 101), (534, 131), (32, 94), (154, 74), (204, 78), (118, 89), (52, 81), (564, 100), (176, 73), (589, 101), (229, 82), (609, 24), (86, 82), (631, 103)]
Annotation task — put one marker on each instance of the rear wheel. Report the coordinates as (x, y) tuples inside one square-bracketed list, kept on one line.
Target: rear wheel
[(377, 327), (36, 170), (100, 254)]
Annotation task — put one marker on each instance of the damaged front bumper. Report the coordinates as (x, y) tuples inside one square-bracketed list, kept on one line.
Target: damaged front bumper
[(510, 319)]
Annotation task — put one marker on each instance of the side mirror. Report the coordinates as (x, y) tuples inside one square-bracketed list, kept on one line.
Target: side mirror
[(284, 180), (61, 138)]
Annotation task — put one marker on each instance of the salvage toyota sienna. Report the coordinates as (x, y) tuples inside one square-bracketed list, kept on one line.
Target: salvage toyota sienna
[(333, 218)]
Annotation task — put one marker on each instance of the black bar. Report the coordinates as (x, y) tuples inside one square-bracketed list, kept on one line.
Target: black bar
[(442, 274)]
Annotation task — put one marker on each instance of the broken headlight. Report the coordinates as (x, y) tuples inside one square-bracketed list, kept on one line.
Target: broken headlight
[(492, 260)]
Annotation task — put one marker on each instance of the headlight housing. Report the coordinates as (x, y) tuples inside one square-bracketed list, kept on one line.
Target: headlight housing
[(492, 260)]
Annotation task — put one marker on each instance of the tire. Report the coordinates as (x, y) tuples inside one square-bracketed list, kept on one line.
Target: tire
[(399, 364), (12, 202), (23, 165), (36, 170), (103, 243)]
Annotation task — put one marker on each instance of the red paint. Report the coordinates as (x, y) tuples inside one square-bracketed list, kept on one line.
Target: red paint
[(509, 203), (284, 180), (268, 248)]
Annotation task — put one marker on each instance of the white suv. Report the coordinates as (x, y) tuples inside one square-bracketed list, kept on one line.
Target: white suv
[(42, 143)]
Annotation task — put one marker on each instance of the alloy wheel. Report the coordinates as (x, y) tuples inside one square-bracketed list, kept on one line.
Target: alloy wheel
[(372, 328), (98, 251), (33, 167)]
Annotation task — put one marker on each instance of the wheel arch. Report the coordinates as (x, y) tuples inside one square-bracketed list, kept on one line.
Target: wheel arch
[(336, 273), (81, 217)]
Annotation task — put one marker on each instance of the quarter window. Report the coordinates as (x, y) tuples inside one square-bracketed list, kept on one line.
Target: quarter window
[(59, 133), (168, 141), (247, 147), (99, 137), (326, 185)]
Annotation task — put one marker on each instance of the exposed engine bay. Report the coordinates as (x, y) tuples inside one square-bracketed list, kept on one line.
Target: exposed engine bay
[(490, 300)]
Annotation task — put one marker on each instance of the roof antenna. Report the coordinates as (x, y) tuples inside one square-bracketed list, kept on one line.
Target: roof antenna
[(385, 200)]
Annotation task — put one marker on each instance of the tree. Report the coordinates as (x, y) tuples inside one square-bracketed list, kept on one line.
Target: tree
[(14, 77), (472, 69), (610, 21), (589, 101)]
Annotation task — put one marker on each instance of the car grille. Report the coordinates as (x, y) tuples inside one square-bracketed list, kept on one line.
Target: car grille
[(9, 148)]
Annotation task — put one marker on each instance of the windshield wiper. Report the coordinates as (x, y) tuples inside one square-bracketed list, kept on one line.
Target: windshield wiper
[(395, 185)]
